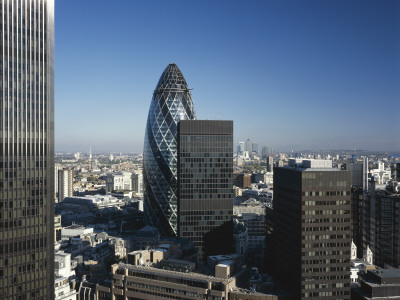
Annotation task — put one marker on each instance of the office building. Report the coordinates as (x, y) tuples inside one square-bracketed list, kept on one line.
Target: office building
[(381, 175), (27, 150), (378, 284), (62, 289), (357, 203), (137, 181), (381, 229), (205, 180), (249, 146), (397, 168), (242, 180), (172, 102), (56, 169), (270, 163), (65, 188), (241, 148), (255, 147), (120, 181), (266, 150), (311, 230), (172, 279)]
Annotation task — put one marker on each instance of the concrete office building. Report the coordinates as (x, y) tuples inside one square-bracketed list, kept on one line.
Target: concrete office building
[(382, 217), (27, 149), (172, 102), (311, 230), (242, 180), (173, 282), (270, 163), (241, 148), (205, 180), (56, 169), (65, 188), (137, 181), (119, 181)]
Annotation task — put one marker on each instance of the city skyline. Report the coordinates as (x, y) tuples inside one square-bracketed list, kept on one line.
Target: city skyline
[(294, 76)]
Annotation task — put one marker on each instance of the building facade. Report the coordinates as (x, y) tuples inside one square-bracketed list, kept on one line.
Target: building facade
[(311, 231), (146, 282), (172, 102), (241, 147), (27, 149), (242, 180), (119, 181), (381, 229), (270, 163), (137, 181), (205, 179), (65, 188)]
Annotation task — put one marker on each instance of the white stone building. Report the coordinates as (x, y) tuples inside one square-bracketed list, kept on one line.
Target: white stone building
[(119, 181), (65, 188), (62, 290)]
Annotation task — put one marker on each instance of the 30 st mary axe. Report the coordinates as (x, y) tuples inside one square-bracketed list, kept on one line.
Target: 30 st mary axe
[(26, 149), (172, 102)]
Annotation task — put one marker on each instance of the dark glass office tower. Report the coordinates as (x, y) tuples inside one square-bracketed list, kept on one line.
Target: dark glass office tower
[(311, 231), (205, 176), (171, 103), (26, 149)]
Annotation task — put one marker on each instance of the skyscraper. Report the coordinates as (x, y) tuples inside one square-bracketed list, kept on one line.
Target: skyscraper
[(266, 150), (311, 230), (27, 149), (249, 146), (172, 102), (270, 163), (205, 181), (65, 188), (241, 147)]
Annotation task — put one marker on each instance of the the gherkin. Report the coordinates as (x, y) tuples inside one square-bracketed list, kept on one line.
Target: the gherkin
[(171, 103)]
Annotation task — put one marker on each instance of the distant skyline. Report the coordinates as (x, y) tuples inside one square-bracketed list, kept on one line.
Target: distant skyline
[(294, 75)]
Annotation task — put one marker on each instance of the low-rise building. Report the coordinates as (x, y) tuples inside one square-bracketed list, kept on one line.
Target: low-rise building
[(92, 202), (62, 289), (146, 282), (62, 264), (74, 231), (378, 284)]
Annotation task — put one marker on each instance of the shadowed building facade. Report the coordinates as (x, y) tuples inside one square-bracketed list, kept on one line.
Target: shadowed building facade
[(205, 176), (311, 234), (171, 103), (27, 149)]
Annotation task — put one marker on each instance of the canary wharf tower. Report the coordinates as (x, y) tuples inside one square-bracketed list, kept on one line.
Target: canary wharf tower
[(171, 103), (26, 149)]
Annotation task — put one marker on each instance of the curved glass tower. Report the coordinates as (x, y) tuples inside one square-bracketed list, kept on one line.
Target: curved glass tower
[(171, 103)]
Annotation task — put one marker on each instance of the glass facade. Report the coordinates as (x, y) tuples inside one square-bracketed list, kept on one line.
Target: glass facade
[(312, 232), (26, 149), (171, 103), (205, 179)]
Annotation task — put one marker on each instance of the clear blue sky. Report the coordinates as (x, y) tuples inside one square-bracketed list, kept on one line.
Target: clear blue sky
[(290, 74)]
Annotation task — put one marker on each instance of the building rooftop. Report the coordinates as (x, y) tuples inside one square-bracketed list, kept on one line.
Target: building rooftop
[(385, 276), (193, 275)]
